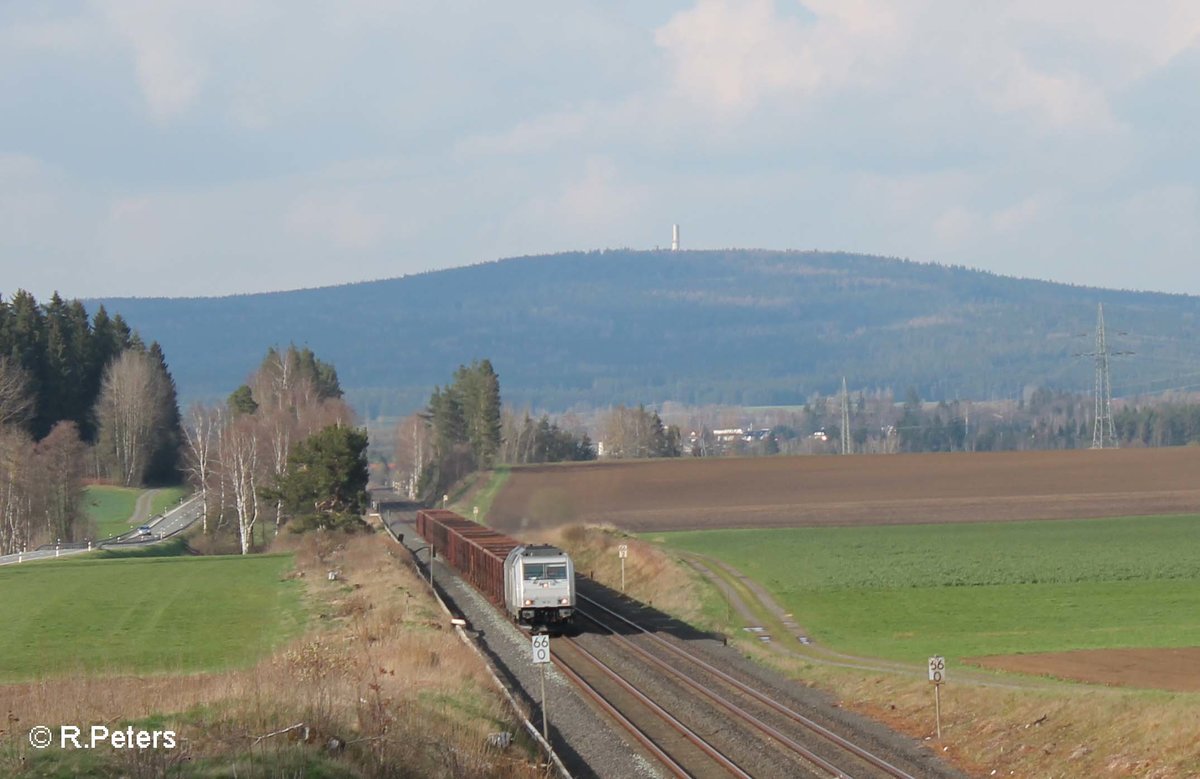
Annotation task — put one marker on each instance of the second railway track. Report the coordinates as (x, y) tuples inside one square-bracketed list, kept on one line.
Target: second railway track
[(756, 734)]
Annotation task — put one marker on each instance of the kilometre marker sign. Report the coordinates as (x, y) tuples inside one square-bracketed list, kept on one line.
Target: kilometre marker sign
[(541, 648)]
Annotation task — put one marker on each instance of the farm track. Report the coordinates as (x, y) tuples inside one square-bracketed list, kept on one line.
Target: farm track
[(787, 635), (756, 731)]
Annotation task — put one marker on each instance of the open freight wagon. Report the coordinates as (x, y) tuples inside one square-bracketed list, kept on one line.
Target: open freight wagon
[(534, 584), (475, 551)]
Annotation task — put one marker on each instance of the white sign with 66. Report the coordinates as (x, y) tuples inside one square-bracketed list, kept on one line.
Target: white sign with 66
[(937, 669)]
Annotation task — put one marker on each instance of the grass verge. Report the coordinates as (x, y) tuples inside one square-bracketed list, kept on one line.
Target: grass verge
[(167, 498), (488, 492)]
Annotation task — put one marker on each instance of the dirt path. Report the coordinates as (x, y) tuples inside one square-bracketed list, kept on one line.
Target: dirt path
[(141, 510), (788, 638)]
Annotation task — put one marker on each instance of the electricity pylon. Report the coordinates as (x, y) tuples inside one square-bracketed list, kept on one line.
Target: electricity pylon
[(1104, 434), (845, 418)]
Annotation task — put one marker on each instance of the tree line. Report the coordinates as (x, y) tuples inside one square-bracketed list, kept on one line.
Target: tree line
[(1041, 418), (465, 428), (282, 449), (80, 397)]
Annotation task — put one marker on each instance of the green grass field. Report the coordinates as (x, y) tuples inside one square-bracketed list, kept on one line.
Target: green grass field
[(144, 614), (907, 592), (110, 508)]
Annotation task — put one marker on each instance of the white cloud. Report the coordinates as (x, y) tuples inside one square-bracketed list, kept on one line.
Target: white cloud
[(731, 56), (169, 74), (269, 141), (1051, 101)]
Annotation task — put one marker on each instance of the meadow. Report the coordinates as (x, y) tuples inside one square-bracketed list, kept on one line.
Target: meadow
[(110, 508), (377, 667), (144, 614), (907, 592)]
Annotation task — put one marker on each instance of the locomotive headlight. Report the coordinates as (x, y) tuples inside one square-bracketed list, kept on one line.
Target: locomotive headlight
[(564, 601), (529, 601)]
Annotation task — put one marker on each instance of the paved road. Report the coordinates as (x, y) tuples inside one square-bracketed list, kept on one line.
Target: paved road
[(175, 520)]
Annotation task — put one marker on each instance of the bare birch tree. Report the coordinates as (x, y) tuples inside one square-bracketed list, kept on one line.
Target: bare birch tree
[(241, 461), (278, 428), (16, 401), (414, 450), (55, 483), (130, 415), (16, 532), (200, 435)]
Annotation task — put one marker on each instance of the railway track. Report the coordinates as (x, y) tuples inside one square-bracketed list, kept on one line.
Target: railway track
[(679, 748), (753, 733)]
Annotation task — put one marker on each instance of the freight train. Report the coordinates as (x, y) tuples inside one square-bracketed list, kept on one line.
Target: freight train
[(535, 584)]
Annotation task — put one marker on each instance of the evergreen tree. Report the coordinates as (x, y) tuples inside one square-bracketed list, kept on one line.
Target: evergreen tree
[(478, 391), (163, 466), (26, 341), (62, 356), (241, 401), (465, 419), (326, 481)]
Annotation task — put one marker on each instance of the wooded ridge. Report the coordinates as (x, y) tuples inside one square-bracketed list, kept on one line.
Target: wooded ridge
[(749, 327)]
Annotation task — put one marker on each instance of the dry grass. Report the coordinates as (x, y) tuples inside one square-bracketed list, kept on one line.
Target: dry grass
[(651, 575), (1064, 732), (377, 669)]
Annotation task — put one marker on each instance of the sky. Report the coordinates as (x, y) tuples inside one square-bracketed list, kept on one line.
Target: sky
[(163, 148)]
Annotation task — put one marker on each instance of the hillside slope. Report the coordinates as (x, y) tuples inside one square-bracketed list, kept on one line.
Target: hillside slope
[(736, 326)]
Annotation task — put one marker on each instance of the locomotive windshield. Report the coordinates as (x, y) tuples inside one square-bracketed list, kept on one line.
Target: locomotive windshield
[(545, 571)]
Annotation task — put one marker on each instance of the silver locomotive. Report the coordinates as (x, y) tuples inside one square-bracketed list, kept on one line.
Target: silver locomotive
[(539, 586)]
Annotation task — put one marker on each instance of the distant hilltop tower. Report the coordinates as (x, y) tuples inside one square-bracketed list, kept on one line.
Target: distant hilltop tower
[(674, 238)]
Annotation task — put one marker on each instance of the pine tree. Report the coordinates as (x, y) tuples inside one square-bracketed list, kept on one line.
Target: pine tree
[(27, 347), (163, 465)]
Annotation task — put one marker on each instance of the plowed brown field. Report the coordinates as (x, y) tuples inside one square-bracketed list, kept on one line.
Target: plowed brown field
[(1159, 669), (697, 494), (692, 493)]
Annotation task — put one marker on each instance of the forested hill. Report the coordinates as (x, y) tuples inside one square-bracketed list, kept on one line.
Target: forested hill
[(737, 326)]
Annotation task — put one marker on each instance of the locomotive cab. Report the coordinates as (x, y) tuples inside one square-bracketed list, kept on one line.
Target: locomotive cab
[(539, 586)]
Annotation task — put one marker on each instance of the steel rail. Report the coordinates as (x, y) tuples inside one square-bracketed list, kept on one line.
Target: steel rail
[(812, 725), (615, 713), (695, 739), (737, 711)]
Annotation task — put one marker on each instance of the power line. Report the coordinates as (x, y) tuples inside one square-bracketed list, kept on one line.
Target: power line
[(1104, 434)]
